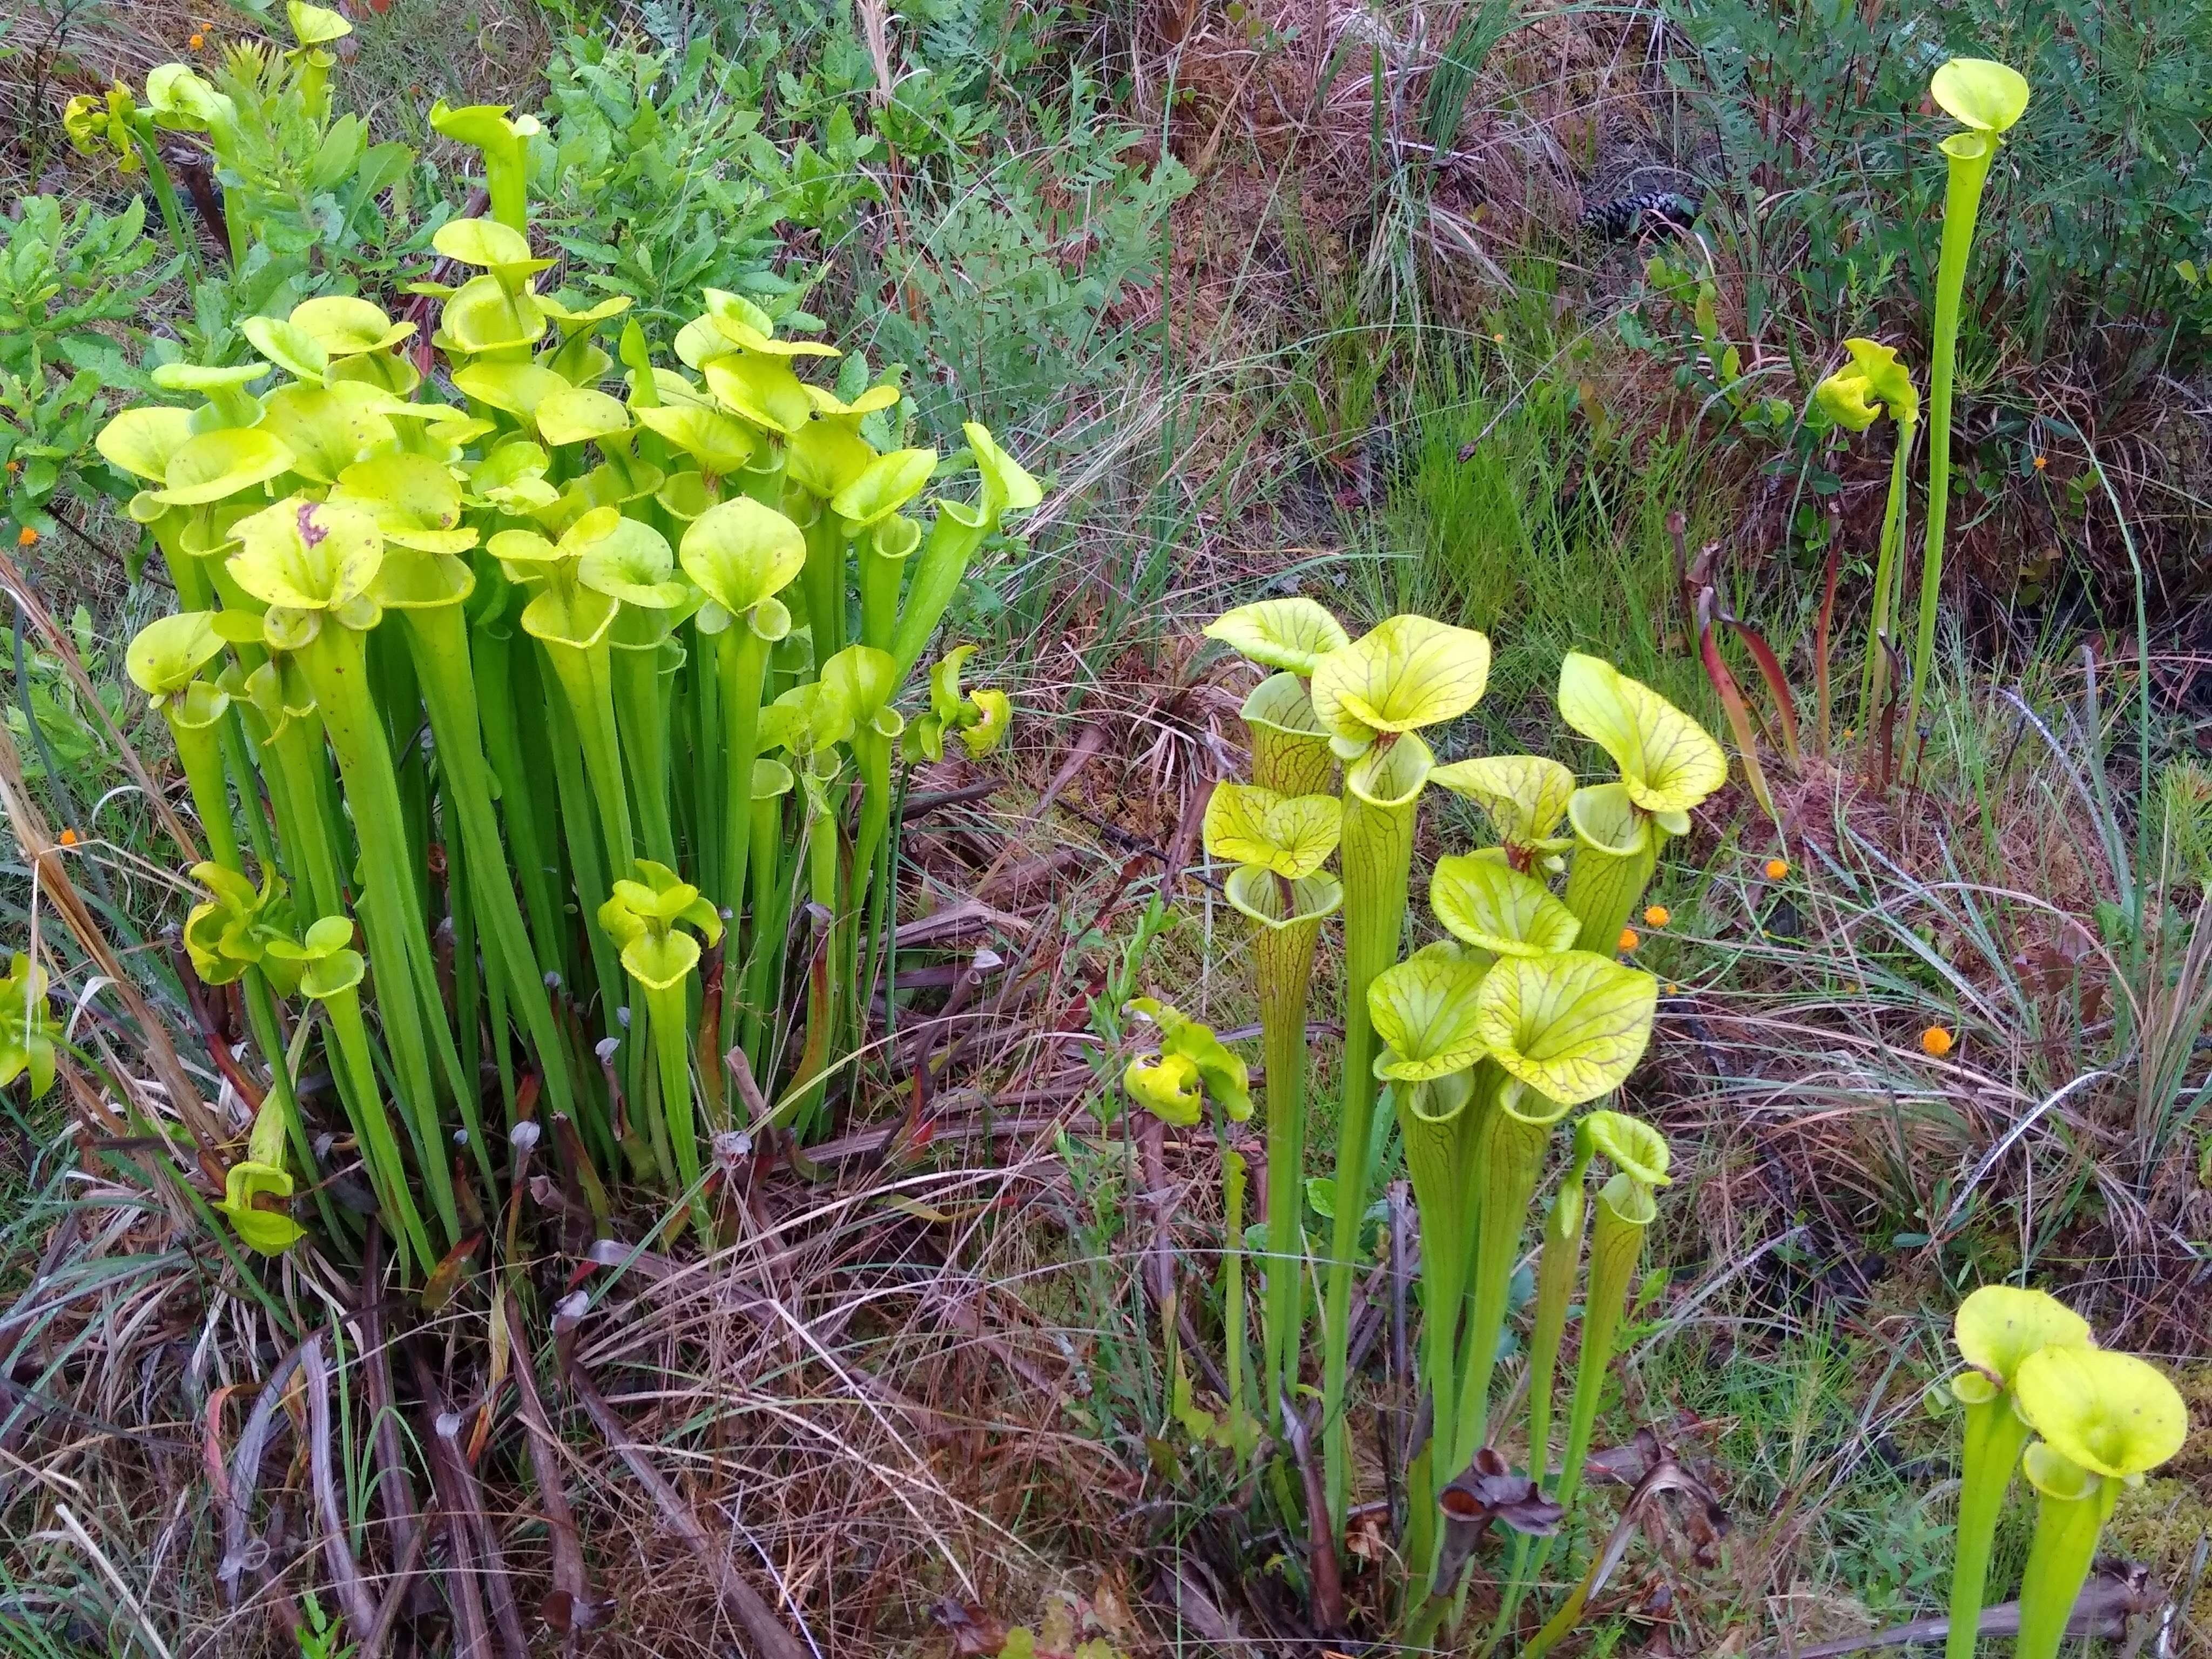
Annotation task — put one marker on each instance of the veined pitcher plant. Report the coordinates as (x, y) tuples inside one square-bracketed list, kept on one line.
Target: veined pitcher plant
[(1373, 696), (1872, 385), (1669, 765), (1278, 844)]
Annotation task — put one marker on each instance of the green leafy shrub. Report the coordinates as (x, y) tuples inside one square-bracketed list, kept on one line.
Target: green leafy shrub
[(655, 175), (1014, 262), (72, 284)]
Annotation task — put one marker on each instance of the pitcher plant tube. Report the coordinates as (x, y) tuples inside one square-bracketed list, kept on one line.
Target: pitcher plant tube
[(2106, 1420), (1669, 765), (1872, 385), (1278, 844), (1997, 1328), (1373, 696), (1986, 99)]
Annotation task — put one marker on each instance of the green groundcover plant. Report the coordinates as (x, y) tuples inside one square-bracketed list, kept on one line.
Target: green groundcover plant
[(555, 688)]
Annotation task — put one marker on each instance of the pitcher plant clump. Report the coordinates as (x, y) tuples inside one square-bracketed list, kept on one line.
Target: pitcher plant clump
[(580, 694), (1483, 1042)]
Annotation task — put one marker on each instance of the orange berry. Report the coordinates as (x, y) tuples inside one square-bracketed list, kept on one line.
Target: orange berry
[(1936, 1041), (1777, 868), (27, 537), (1657, 915), (1628, 938), (69, 837)]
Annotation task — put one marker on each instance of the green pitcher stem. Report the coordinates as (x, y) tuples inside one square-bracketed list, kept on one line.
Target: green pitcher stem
[(297, 753), (937, 568), (872, 755), (770, 915), (1616, 1247), (1440, 1161), (2058, 1562), (1874, 678), (586, 860), (879, 592), (641, 725), (200, 752), (269, 1033), (1603, 888), (1378, 854), (238, 756), (439, 635), (1508, 1159), (1555, 1286), (1962, 198), (1995, 1438), (1283, 959), (371, 1126), (704, 781), (1239, 1357), (492, 654), (740, 664), (667, 1011), (586, 681), (400, 949), (821, 582)]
